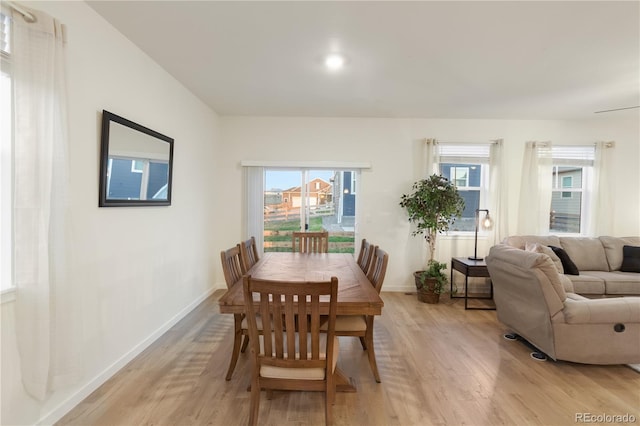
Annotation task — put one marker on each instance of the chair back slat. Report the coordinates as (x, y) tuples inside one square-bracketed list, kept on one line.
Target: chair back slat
[(378, 268), (365, 256), (232, 266), (249, 252), (310, 242)]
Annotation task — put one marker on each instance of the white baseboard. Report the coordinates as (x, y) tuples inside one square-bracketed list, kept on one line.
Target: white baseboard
[(58, 412), (399, 289)]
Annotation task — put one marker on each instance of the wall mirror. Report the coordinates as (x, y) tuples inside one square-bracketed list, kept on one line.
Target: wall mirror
[(136, 164)]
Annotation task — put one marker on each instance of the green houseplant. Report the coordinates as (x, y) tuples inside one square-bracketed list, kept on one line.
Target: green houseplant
[(433, 205)]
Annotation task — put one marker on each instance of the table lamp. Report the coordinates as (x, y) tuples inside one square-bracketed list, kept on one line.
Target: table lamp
[(487, 223)]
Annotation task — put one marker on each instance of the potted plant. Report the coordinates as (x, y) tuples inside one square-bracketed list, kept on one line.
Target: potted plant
[(433, 205)]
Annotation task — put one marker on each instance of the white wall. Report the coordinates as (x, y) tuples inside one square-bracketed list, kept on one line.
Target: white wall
[(394, 148), (138, 269)]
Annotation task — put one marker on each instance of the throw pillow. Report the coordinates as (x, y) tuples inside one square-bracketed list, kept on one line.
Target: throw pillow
[(539, 248), (630, 259), (569, 267)]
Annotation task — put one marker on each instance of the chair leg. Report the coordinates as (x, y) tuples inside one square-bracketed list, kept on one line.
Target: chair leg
[(255, 403), (363, 342), (237, 338), (370, 350), (245, 343), (330, 396)]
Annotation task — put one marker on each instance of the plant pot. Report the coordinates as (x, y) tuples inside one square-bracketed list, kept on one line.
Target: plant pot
[(426, 293)]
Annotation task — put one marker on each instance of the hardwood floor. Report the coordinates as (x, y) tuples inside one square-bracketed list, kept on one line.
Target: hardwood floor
[(439, 365)]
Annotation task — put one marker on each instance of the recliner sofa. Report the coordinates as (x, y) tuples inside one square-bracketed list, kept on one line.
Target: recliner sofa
[(531, 300)]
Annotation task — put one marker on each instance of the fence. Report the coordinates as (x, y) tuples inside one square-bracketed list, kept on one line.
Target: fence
[(339, 242)]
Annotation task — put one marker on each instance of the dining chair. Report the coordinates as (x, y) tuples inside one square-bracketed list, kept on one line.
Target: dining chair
[(249, 253), (233, 270), (293, 353), (365, 255), (362, 325), (310, 242)]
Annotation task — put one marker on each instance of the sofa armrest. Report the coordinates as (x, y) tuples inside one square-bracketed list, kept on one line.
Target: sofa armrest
[(602, 311)]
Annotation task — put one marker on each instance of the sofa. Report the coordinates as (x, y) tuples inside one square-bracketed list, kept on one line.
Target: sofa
[(598, 262), (531, 301)]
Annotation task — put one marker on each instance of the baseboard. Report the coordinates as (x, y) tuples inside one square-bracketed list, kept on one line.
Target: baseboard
[(399, 289), (58, 412)]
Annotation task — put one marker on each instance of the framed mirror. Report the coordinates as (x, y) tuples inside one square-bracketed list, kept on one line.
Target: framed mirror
[(136, 164)]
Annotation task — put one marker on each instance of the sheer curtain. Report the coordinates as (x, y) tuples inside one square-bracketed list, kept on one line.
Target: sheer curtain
[(254, 201), (498, 192), (600, 217), (535, 189), (47, 325), (432, 157)]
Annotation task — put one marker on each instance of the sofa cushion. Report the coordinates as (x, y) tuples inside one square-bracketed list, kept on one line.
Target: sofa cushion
[(630, 259), (539, 248), (568, 266), (587, 284), (613, 249), (587, 253), (520, 241), (616, 282), (547, 267)]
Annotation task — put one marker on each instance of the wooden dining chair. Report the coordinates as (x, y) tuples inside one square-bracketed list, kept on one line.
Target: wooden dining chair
[(365, 255), (249, 253), (292, 354), (362, 325), (233, 270), (310, 242)]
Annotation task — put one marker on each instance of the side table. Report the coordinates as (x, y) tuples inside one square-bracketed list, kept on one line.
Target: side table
[(470, 268)]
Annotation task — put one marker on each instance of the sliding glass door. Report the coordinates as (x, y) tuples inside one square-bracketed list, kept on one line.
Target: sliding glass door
[(309, 200)]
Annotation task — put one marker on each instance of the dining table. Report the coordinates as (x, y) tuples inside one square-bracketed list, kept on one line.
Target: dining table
[(356, 295)]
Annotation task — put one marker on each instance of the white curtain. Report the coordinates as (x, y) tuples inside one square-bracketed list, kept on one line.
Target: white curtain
[(498, 192), (254, 201), (535, 189), (432, 157), (47, 324), (599, 219)]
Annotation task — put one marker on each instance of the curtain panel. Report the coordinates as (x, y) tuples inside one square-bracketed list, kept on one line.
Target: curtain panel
[(47, 324), (535, 189)]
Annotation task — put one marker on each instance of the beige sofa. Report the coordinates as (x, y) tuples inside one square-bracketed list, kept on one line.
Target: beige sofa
[(531, 300), (597, 259)]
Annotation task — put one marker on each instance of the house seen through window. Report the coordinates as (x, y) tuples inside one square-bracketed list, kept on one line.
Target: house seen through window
[(467, 166), (572, 170)]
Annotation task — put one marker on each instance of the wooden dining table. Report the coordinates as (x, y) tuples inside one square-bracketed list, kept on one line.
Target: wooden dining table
[(356, 295)]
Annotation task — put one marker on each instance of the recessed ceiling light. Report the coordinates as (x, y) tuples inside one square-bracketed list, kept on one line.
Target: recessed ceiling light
[(334, 61)]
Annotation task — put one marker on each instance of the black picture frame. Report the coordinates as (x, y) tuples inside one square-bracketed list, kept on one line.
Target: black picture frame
[(148, 155)]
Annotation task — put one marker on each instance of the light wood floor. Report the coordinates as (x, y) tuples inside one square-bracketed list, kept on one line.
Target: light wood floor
[(439, 364)]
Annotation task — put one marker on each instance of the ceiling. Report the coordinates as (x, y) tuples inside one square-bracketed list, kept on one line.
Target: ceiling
[(503, 60)]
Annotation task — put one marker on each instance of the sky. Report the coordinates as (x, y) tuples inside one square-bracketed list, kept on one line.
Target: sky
[(285, 179)]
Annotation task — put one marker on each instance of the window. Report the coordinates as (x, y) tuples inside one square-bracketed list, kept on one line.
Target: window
[(467, 166), (308, 199), (137, 166), (572, 169), (6, 156)]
